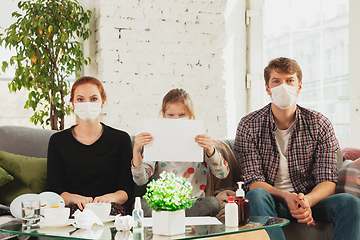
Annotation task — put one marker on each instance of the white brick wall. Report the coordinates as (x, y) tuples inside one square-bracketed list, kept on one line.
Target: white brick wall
[(144, 48)]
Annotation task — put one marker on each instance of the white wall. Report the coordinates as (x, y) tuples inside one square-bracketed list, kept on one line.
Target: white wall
[(144, 48)]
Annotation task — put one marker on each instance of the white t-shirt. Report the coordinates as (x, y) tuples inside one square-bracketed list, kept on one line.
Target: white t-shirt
[(282, 179)]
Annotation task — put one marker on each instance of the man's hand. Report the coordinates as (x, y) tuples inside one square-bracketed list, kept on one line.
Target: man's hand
[(300, 208)]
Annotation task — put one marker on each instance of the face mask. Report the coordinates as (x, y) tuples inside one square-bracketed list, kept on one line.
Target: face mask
[(284, 96), (87, 111)]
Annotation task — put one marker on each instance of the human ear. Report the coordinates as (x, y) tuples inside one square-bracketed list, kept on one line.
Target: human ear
[(267, 89), (300, 87)]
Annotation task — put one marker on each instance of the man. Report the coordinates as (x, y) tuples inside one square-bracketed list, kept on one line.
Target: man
[(287, 155)]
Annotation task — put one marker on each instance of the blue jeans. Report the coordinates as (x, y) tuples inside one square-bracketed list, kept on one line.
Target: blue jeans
[(341, 209)]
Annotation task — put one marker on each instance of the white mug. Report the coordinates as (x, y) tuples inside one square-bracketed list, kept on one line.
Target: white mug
[(102, 210), (56, 215)]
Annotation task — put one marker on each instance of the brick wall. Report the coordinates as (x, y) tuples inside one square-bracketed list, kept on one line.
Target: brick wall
[(144, 48)]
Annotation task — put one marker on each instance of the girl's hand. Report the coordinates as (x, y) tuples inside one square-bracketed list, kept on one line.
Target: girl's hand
[(205, 142), (141, 140)]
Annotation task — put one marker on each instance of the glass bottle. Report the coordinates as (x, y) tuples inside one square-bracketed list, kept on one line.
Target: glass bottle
[(243, 206)]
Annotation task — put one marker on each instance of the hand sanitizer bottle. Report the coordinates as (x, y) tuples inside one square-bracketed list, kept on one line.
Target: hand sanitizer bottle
[(243, 206), (138, 214), (231, 210)]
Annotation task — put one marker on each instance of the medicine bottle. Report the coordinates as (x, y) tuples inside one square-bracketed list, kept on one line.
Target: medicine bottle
[(231, 216), (243, 206)]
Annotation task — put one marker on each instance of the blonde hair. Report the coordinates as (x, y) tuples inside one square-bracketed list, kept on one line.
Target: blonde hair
[(178, 95)]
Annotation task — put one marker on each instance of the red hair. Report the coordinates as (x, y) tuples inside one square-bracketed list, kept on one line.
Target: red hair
[(91, 80)]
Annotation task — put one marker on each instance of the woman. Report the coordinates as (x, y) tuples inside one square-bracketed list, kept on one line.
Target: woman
[(91, 162)]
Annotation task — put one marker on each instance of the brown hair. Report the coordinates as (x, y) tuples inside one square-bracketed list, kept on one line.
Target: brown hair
[(178, 95), (282, 65), (91, 80)]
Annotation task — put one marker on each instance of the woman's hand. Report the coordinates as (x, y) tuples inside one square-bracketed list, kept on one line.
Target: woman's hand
[(119, 196), (205, 142), (79, 200), (104, 199)]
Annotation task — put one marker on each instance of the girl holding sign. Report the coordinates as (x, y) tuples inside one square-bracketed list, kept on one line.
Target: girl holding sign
[(177, 104)]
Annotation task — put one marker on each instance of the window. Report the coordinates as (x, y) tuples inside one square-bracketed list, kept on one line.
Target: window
[(316, 34), (12, 104)]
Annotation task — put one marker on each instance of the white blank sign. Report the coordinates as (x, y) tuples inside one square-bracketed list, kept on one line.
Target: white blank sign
[(173, 140)]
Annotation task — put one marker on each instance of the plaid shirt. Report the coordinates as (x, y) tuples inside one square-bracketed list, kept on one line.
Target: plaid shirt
[(311, 150)]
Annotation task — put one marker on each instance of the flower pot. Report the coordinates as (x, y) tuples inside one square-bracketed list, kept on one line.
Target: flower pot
[(168, 223)]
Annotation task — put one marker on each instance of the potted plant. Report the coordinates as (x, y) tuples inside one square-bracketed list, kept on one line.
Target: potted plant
[(47, 37), (169, 196)]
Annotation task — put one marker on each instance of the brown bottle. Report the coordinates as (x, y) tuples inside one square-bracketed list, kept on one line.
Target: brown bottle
[(243, 206)]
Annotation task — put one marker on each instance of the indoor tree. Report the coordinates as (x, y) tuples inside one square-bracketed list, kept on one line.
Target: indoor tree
[(46, 37)]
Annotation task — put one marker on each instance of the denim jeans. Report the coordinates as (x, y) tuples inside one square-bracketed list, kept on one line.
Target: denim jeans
[(341, 209)]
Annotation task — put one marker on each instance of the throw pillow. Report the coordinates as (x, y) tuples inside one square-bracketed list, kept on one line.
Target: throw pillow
[(29, 175), (5, 177), (350, 153), (349, 179)]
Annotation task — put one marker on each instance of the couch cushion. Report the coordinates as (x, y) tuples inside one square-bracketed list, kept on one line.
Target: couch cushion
[(29, 176), (5, 177), (26, 141), (349, 178)]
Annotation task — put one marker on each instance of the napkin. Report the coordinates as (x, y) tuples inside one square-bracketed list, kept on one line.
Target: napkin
[(123, 223), (86, 219)]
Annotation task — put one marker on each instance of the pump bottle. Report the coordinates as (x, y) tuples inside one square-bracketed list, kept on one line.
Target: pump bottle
[(243, 206), (231, 216), (138, 214)]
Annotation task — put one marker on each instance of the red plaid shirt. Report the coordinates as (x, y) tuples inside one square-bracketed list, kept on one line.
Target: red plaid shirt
[(311, 152)]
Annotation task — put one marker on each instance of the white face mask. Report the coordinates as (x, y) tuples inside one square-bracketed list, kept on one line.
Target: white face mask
[(87, 111), (284, 96)]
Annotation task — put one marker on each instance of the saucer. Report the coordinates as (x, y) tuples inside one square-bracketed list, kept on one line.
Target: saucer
[(46, 224), (51, 199), (109, 219)]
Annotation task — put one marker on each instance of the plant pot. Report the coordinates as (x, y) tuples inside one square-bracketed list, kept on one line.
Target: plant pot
[(168, 223)]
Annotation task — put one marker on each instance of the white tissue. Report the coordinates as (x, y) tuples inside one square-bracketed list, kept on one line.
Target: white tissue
[(123, 223), (124, 236), (86, 219)]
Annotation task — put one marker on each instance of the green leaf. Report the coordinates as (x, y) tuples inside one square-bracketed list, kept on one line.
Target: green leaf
[(4, 66), (29, 34)]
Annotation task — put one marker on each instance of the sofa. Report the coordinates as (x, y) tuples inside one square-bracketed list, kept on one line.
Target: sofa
[(31, 144)]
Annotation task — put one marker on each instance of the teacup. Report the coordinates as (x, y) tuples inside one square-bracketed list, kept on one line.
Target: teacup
[(102, 210), (56, 215)]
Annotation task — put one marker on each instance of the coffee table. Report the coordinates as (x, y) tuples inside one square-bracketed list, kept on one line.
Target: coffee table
[(108, 231)]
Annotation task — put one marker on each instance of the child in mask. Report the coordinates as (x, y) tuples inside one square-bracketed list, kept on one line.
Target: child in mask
[(177, 104), (90, 162)]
